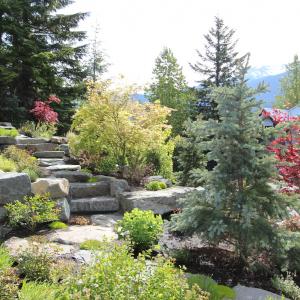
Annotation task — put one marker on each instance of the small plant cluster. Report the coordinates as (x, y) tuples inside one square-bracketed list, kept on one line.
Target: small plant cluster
[(155, 186), (32, 211), (14, 159), (57, 225), (9, 132), (38, 130), (91, 245), (287, 286), (142, 228)]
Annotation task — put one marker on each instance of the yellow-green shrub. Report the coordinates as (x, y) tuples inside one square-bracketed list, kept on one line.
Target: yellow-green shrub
[(9, 132), (7, 165), (112, 132)]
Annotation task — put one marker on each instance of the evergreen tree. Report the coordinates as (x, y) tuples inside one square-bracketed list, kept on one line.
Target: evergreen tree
[(170, 88), (238, 205), (290, 86), (40, 53), (217, 66)]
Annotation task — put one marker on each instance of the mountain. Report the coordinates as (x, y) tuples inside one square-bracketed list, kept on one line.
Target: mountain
[(273, 83)]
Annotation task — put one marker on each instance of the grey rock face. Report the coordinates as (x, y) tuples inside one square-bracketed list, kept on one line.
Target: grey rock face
[(56, 187), (56, 168), (118, 186), (85, 190), (159, 178), (49, 154), (47, 162), (14, 186), (7, 140), (2, 214), (94, 204), (38, 147), (65, 211), (59, 140), (73, 176), (29, 141), (65, 148), (160, 202)]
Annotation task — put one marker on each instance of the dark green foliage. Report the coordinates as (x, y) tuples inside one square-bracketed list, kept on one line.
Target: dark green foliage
[(170, 88), (191, 158), (218, 65), (142, 228), (40, 52), (216, 291), (238, 205)]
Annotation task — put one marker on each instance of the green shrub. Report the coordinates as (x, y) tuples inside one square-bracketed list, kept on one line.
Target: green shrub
[(9, 284), (32, 211), (35, 264), (57, 225), (91, 245), (142, 228), (7, 165), (287, 286), (216, 291), (93, 179), (36, 291), (155, 186), (23, 160), (118, 275), (5, 259), (39, 130), (9, 132)]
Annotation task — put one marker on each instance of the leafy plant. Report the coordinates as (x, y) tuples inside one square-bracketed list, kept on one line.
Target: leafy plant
[(39, 130), (7, 165), (111, 132), (32, 211), (5, 259), (35, 264), (93, 179), (35, 290), (9, 132), (23, 160), (9, 284), (57, 225), (118, 275), (216, 291), (142, 228), (91, 245), (287, 286), (155, 186)]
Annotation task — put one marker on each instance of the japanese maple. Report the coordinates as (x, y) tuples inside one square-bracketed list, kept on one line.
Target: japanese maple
[(286, 147), (43, 112)]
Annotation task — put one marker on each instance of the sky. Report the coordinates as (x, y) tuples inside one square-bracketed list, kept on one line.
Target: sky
[(134, 32)]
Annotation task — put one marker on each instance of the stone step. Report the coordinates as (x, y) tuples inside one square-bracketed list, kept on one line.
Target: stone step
[(7, 140), (29, 141), (57, 168), (73, 176), (86, 190), (47, 162), (49, 154), (94, 204), (38, 147)]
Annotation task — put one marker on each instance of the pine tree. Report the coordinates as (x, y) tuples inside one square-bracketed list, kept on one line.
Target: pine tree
[(290, 86), (40, 53), (170, 88), (238, 205), (217, 66)]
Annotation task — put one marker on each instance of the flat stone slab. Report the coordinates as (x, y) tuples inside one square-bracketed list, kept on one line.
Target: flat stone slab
[(160, 202), (76, 234), (86, 190), (28, 140), (59, 140), (14, 186), (73, 176), (94, 204), (47, 162), (56, 187), (49, 154), (56, 168), (38, 147), (106, 220), (7, 140), (248, 293)]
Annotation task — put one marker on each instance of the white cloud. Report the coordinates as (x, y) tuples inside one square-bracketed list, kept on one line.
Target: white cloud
[(133, 32)]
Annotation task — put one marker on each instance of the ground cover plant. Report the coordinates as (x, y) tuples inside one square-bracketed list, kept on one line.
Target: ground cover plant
[(9, 132), (155, 186), (38, 130), (57, 225)]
